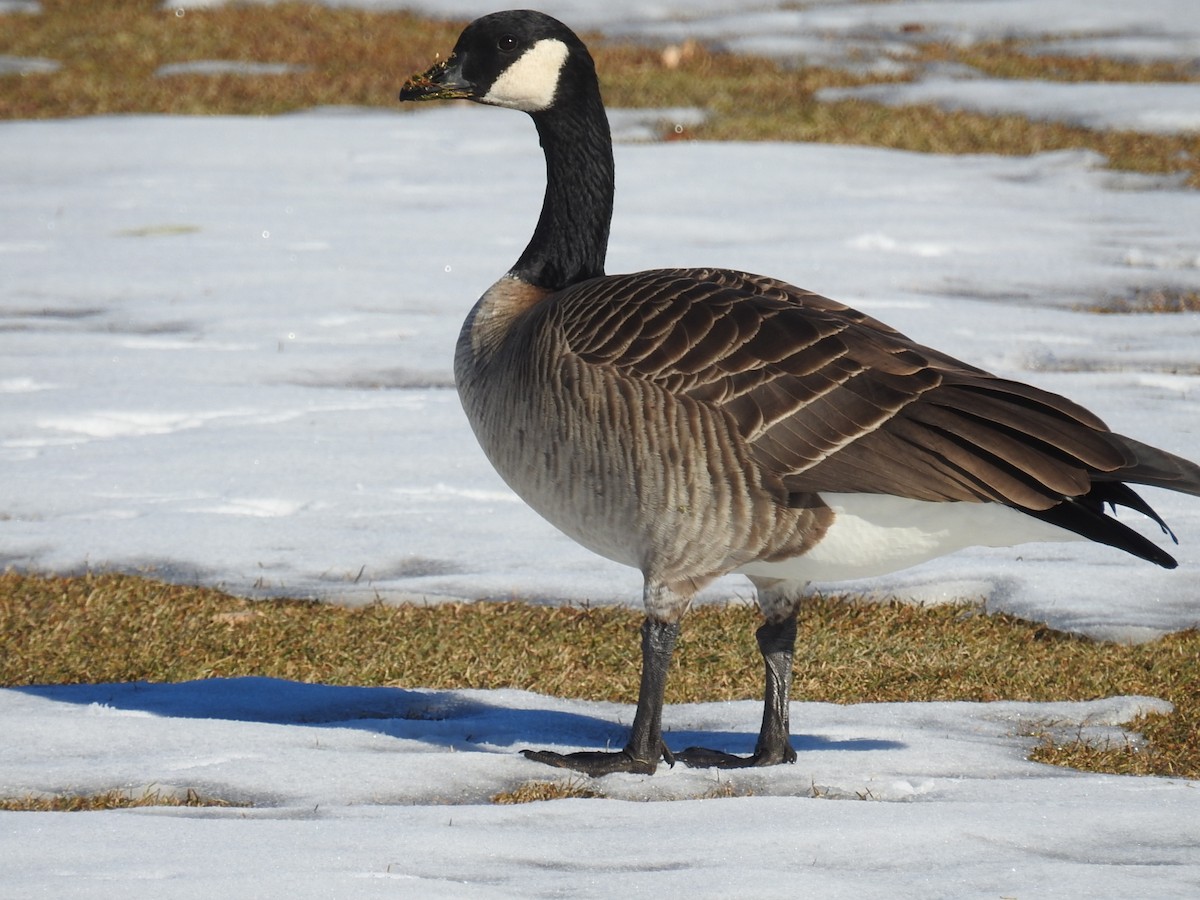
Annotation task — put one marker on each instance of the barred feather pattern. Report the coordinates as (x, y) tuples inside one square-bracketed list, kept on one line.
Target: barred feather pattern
[(684, 421)]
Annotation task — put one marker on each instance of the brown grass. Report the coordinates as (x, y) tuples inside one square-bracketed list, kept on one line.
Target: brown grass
[(1019, 59), (111, 49), (115, 799), (1153, 301), (99, 628), (538, 791)]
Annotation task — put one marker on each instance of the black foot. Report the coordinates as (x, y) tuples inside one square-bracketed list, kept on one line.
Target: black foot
[(596, 762), (703, 758)]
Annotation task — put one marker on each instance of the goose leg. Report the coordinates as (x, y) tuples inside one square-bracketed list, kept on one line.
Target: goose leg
[(776, 641), (645, 747)]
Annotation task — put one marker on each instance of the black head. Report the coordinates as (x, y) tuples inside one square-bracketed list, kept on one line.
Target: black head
[(518, 59)]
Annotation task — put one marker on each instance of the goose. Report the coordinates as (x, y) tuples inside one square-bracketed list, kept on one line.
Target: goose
[(697, 422)]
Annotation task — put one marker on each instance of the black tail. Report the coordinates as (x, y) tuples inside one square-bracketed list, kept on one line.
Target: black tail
[(1085, 515)]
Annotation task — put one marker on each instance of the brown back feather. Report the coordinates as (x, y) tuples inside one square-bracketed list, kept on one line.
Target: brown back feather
[(830, 399)]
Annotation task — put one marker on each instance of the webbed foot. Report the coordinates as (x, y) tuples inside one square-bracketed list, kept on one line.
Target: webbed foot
[(703, 758), (645, 747), (774, 746), (597, 762)]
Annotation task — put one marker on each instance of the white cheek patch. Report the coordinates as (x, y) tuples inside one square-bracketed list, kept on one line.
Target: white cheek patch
[(530, 83)]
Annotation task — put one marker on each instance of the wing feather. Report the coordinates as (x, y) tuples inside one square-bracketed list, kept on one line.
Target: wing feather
[(827, 398)]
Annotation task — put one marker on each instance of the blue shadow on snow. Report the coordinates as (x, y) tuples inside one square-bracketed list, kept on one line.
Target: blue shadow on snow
[(444, 718)]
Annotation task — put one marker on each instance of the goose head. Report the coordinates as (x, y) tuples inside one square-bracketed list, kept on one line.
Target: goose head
[(517, 59), (525, 60)]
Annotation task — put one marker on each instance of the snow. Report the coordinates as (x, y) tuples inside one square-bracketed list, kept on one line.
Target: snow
[(1146, 48), (225, 356), (227, 67), (1152, 108), (357, 787), (27, 65), (862, 35), (242, 376), (962, 20)]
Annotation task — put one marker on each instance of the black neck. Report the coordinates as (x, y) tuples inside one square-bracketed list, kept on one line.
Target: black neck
[(571, 238)]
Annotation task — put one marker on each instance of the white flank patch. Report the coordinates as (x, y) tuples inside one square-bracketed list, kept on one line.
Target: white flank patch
[(875, 534), (530, 83)]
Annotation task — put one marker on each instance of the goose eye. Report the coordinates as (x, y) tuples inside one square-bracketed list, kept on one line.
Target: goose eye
[(507, 44)]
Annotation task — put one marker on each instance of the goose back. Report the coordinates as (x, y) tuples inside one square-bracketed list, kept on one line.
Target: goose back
[(694, 421)]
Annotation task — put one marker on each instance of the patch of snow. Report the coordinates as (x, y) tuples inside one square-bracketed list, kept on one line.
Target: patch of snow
[(227, 67), (245, 367), (1151, 108), (27, 65)]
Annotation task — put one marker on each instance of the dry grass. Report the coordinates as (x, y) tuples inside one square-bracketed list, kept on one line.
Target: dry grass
[(99, 628), (538, 791), (111, 49), (576, 788), (1153, 301), (1018, 59), (927, 129), (115, 799)]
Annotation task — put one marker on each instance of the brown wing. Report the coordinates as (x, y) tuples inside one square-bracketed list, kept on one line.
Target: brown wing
[(829, 399)]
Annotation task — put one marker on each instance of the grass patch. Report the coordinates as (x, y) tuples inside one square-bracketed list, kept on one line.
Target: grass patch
[(928, 129), (99, 628), (575, 788), (1150, 301), (1019, 59), (111, 49), (538, 791), (115, 799)]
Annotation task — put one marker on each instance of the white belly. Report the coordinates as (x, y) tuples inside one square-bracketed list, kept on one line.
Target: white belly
[(874, 534)]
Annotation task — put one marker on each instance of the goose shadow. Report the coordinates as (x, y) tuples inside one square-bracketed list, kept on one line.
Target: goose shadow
[(444, 718)]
